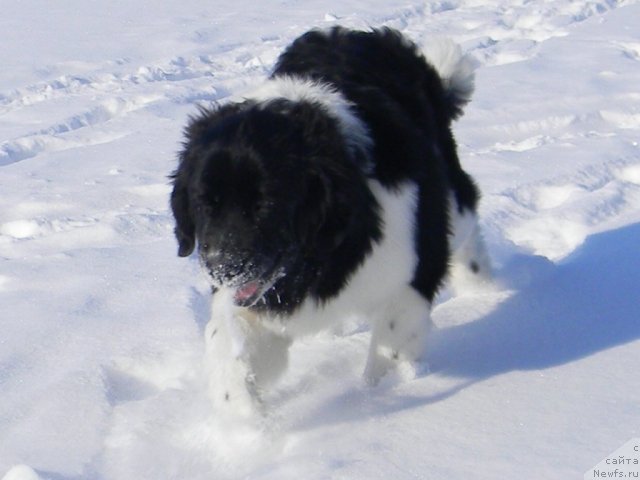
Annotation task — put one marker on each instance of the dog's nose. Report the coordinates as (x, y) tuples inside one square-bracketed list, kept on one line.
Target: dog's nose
[(212, 255), (220, 261)]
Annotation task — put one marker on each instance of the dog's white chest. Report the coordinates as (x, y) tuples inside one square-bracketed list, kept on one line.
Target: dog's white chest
[(386, 270)]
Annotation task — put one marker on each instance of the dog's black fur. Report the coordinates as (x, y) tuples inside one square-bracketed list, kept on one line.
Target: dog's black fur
[(280, 206)]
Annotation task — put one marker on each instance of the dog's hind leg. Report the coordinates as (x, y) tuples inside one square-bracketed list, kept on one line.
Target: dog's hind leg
[(470, 265), (398, 334)]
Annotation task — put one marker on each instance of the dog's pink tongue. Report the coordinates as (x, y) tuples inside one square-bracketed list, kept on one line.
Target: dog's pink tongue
[(246, 291)]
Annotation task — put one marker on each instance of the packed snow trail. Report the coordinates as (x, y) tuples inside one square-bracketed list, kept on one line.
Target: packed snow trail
[(102, 324)]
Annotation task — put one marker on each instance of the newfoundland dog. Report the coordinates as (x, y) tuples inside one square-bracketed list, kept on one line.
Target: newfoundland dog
[(332, 191)]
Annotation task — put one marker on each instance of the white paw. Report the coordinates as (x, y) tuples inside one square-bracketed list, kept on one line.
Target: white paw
[(232, 389), (377, 367)]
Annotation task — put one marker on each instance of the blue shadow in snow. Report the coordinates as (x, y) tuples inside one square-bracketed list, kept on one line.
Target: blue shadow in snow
[(588, 303)]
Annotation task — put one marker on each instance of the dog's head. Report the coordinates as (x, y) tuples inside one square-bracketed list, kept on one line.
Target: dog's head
[(259, 191)]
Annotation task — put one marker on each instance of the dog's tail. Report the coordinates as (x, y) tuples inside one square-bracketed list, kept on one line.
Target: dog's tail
[(456, 71)]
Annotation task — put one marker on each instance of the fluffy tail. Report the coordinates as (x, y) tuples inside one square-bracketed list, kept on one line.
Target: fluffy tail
[(456, 71)]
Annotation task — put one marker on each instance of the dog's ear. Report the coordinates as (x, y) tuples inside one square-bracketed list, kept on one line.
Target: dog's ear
[(185, 228)]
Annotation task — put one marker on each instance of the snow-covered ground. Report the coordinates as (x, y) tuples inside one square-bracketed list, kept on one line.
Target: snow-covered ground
[(101, 324)]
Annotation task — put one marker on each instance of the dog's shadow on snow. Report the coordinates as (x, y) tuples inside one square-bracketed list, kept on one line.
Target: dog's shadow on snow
[(585, 304), (560, 313)]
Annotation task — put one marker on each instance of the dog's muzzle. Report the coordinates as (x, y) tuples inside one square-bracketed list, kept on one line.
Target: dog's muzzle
[(248, 281)]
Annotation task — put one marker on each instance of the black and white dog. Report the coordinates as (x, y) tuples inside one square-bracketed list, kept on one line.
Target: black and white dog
[(334, 190)]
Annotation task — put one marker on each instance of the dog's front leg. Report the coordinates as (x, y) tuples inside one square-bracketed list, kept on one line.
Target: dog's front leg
[(242, 357), (400, 327), (228, 365)]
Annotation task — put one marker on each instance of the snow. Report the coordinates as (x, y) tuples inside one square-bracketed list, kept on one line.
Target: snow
[(102, 325)]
